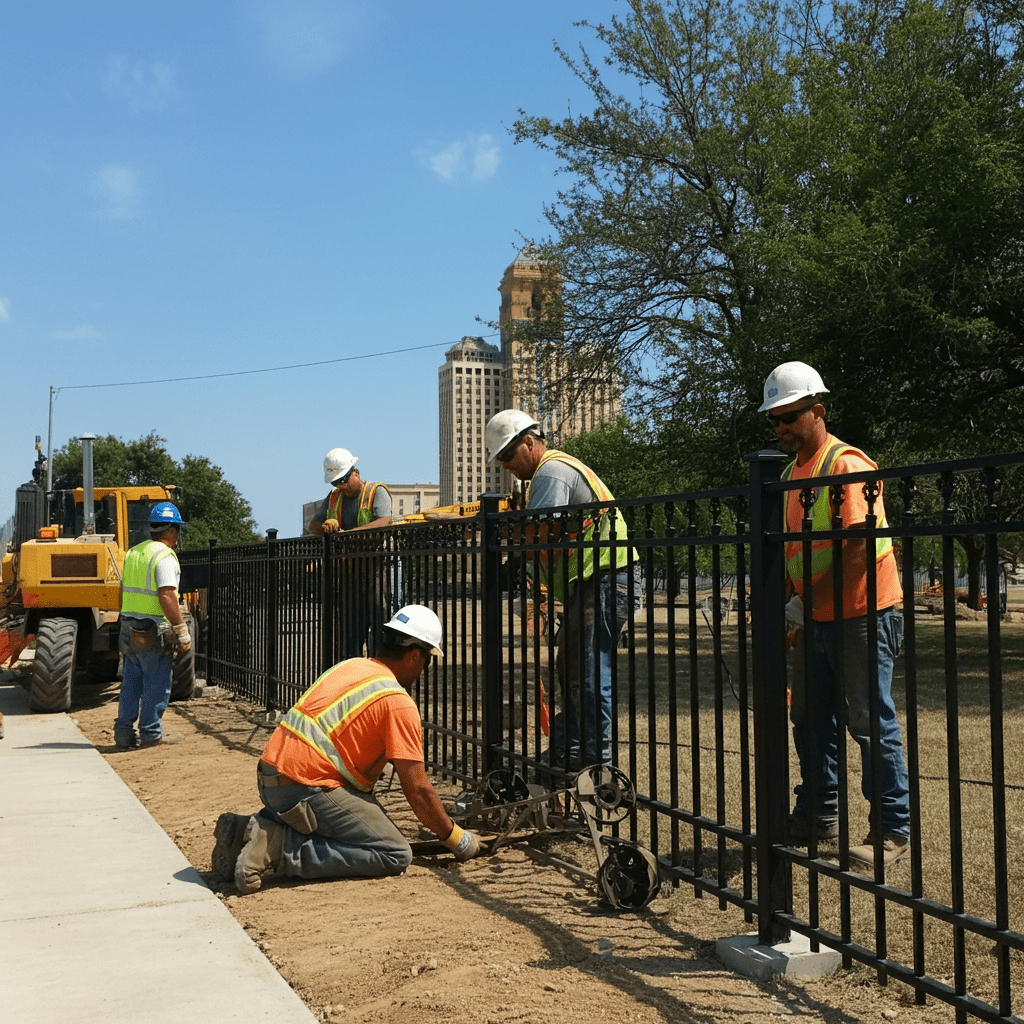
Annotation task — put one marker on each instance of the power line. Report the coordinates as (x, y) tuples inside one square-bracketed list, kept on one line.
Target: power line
[(266, 369)]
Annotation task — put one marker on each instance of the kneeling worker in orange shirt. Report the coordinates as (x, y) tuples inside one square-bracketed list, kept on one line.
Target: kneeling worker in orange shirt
[(316, 776)]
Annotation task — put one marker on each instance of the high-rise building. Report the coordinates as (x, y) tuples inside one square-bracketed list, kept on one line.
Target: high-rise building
[(530, 371), (471, 389), (566, 393)]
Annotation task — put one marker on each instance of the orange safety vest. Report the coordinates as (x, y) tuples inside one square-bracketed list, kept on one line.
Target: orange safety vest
[(821, 516), (550, 574), (365, 513), (319, 718)]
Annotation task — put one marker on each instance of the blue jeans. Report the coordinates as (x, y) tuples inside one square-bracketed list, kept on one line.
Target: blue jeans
[(145, 684), (814, 710), (595, 615), (353, 838)]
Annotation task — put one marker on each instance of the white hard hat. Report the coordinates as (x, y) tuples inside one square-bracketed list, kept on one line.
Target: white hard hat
[(790, 382), (506, 427), (337, 463), (419, 623)]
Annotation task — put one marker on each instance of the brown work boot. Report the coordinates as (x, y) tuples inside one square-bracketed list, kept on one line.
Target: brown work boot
[(862, 858), (230, 835), (262, 854)]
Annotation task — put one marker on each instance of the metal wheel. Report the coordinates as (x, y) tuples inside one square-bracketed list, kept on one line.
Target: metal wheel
[(606, 792), (498, 789), (629, 876)]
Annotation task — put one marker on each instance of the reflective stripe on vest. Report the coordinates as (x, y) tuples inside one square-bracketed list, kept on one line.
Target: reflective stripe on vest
[(317, 730), (139, 592), (364, 514), (550, 572), (821, 517)]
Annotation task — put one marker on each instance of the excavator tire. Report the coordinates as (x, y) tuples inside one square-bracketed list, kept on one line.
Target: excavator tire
[(53, 670), (183, 674)]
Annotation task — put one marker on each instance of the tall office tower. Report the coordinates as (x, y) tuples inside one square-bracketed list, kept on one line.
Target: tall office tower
[(567, 394), (470, 390)]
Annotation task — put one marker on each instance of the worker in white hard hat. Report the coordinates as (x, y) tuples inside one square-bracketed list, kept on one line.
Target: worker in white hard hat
[(793, 402), (594, 594), (354, 504), (317, 772)]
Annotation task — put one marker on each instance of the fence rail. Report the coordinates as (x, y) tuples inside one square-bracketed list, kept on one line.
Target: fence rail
[(698, 691)]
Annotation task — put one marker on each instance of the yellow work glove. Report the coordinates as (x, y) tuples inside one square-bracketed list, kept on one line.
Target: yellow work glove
[(463, 844), (184, 639), (331, 526)]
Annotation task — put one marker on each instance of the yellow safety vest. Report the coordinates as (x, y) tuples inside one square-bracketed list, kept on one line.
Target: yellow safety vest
[(139, 593), (821, 516), (318, 729), (365, 513), (550, 573)]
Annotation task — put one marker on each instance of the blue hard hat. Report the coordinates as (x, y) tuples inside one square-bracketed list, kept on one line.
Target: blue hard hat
[(163, 513)]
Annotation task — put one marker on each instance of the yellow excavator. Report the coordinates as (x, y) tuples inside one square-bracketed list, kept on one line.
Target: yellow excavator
[(61, 580)]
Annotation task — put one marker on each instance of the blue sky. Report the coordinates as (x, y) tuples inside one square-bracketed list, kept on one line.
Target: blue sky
[(195, 189)]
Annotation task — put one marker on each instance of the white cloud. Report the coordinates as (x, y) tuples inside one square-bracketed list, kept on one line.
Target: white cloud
[(142, 85), (81, 333), (300, 38), (118, 191), (5, 309), (474, 158)]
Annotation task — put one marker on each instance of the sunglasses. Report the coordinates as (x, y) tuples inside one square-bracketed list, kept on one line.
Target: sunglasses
[(343, 479), (789, 418), (508, 454)]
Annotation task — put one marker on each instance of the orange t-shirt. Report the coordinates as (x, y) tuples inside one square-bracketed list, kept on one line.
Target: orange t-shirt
[(385, 729), (854, 513)]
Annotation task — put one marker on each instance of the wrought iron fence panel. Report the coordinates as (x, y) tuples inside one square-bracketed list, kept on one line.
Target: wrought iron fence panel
[(698, 678)]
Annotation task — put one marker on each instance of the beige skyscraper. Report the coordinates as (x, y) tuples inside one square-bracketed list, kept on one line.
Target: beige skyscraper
[(565, 394), (531, 373)]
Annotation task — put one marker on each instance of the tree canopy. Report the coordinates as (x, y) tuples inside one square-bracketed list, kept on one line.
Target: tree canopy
[(210, 505), (760, 181)]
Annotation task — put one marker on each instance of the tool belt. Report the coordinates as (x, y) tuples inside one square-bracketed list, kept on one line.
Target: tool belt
[(143, 640), (301, 817)]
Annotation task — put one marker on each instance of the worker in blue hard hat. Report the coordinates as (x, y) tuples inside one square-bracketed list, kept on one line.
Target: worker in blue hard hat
[(149, 607)]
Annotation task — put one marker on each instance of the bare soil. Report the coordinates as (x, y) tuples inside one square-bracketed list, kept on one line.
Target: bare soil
[(496, 940)]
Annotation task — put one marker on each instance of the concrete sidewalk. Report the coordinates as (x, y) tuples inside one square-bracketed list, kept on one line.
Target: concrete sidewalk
[(102, 918)]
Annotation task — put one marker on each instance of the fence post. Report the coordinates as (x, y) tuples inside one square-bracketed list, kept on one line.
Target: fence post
[(326, 606), (771, 728), (271, 622), (211, 604), (490, 628)]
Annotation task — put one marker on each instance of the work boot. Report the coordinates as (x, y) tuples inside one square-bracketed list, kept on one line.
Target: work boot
[(862, 858), (262, 854), (798, 830), (230, 835), (127, 739)]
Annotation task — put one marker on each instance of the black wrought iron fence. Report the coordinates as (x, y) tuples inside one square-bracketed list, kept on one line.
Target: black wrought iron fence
[(697, 687)]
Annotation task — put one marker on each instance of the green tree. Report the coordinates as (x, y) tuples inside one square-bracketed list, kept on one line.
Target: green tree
[(764, 181), (839, 184), (629, 459), (210, 505), (116, 463)]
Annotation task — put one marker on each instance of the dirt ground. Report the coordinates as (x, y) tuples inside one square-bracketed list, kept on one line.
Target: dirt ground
[(496, 940)]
